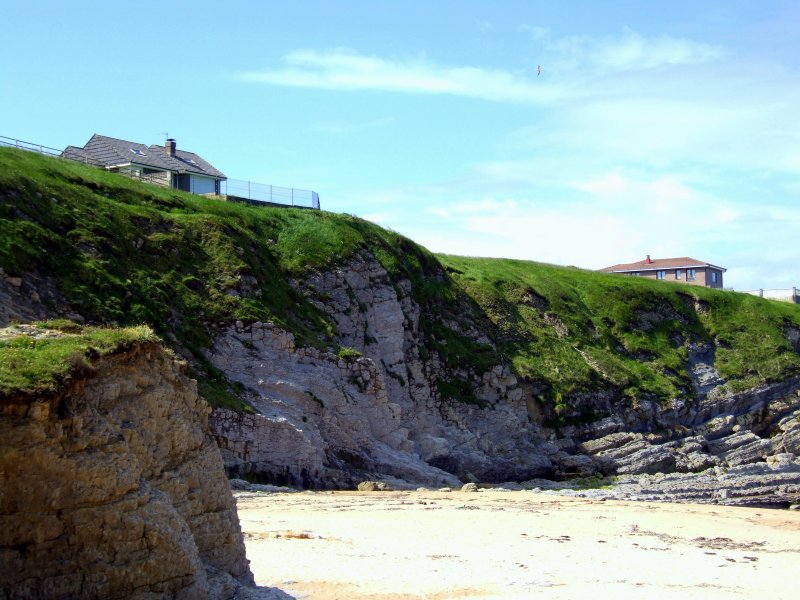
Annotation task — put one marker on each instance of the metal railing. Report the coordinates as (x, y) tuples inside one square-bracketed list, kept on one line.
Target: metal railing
[(161, 178), (235, 188), (272, 194), (7, 141), (785, 294)]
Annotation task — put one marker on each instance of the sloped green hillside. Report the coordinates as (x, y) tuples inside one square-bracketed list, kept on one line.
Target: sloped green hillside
[(125, 253), (580, 331)]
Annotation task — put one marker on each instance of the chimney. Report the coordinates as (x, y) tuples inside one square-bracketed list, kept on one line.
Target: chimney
[(648, 261), (170, 147)]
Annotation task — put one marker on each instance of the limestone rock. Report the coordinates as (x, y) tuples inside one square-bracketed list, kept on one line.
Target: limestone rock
[(373, 486), (330, 423), (114, 488)]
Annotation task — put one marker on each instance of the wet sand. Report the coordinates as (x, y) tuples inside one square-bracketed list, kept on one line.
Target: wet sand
[(509, 545)]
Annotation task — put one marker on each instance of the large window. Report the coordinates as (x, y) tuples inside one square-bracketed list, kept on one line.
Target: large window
[(713, 277), (661, 274), (678, 273), (690, 274)]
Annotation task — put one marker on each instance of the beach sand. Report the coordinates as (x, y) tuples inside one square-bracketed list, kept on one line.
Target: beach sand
[(508, 545)]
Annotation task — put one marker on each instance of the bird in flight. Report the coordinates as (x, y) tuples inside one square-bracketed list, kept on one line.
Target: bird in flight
[(538, 70)]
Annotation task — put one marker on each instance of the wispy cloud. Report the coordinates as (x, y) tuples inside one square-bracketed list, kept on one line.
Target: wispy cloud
[(639, 144), (610, 218), (346, 70), (585, 57), (626, 52)]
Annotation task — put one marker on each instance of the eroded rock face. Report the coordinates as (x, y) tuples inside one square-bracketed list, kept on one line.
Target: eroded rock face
[(331, 422), (328, 422), (113, 488)]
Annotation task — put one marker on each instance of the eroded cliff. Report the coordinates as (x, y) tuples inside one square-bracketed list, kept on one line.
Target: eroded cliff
[(328, 421), (344, 350), (112, 487)]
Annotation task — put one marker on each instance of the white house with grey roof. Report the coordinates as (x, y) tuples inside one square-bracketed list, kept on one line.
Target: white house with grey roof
[(165, 165)]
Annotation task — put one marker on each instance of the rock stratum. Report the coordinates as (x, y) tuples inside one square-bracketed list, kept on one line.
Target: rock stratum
[(112, 487), (336, 352), (326, 421)]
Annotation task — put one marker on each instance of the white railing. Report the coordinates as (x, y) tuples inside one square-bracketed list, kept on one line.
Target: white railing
[(785, 294), (273, 194), (7, 141)]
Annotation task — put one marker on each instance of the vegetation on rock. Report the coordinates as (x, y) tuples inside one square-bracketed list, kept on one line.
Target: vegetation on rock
[(124, 253), (38, 357)]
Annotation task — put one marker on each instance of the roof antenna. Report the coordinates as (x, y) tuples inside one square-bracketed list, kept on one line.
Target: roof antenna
[(165, 134)]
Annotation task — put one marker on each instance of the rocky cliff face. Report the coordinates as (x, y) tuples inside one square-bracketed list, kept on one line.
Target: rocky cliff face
[(328, 422), (113, 488)]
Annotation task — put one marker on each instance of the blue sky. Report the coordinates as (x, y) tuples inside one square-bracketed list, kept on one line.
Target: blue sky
[(661, 128)]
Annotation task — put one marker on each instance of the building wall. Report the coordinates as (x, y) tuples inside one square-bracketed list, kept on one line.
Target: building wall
[(702, 276), (709, 278)]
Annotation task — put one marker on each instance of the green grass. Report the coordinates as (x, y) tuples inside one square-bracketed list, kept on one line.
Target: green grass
[(347, 353), (31, 364), (126, 252), (575, 331), (123, 253)]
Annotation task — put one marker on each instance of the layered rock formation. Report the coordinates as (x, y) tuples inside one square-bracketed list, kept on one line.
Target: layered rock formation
[(327, 421), (112, 487)]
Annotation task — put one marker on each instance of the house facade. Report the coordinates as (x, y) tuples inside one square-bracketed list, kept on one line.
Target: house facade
[(164, 165), (682, 270)]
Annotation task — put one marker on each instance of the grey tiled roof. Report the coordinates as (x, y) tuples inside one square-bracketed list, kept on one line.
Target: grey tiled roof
[(78, 154), (186, 162), (113, 152)]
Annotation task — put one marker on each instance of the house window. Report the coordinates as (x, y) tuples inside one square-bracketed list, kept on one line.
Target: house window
[(678, 273), (661, 274), (713, 277), (690, 273), (634, 273)]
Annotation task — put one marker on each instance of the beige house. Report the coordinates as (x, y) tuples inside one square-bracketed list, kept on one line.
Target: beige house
[(683, 270)]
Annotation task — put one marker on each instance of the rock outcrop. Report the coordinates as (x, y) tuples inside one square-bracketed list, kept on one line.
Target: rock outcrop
[(326, 421), (773, 483), (112, 487)]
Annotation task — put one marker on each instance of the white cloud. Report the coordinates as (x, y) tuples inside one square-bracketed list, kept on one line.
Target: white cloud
[(629, 51), (617, 217), (342, 69), (347, 70), (640, 144)]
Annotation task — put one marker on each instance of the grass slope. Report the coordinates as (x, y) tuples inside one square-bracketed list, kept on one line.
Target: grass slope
[(580, 331), (40, 357), (125, 253)]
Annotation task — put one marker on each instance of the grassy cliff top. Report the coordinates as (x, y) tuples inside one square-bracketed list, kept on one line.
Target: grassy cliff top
[(580, 330), (37, 358), (124, 253)]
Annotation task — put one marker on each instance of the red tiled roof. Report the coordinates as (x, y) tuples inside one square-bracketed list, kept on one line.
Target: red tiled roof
[(658, 264)]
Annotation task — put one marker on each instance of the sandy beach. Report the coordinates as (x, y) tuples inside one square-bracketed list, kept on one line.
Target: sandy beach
[(506, 545)]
